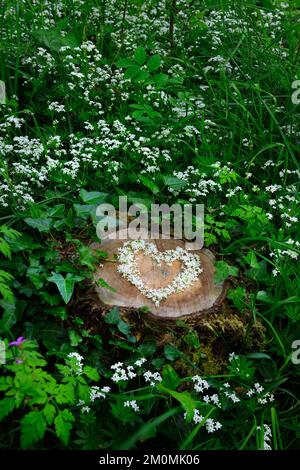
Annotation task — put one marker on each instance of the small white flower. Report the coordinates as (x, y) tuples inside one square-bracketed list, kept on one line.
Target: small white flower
[(132, 404)]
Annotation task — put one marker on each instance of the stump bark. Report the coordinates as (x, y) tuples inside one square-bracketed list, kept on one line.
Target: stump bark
[(203, 295)]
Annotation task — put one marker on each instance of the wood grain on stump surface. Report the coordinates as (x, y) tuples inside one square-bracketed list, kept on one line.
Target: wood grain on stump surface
[(202, 295)]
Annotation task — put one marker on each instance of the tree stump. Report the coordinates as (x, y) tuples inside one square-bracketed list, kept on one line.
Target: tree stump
[(200, 297)]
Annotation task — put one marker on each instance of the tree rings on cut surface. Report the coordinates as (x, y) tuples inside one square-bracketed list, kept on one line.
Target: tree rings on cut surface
[(203, 295)]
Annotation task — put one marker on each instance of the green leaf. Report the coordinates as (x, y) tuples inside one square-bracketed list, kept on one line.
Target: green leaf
[(160, 79), (132, 71), (6, 406), (75, 338), (65, 394), (223, 270), (112, 317), (172, 353), (238, 296), (123, 327), (92, 197), (184, 398), (140, 55), (49, 413), (170, 377), (263, 296), (149, 184), (53, 39), (91, 373), (42, 225), (65, 285), (63, 425), (173, 182), (33, 427), (124, 63), (153, 63)]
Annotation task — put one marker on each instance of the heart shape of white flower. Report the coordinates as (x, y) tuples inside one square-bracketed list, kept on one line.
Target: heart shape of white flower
[(129, 269)]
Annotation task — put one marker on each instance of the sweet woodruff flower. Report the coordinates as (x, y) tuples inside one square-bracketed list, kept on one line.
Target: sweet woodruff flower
[(18, 342), (129, 269), (77, 362), (132, 404)]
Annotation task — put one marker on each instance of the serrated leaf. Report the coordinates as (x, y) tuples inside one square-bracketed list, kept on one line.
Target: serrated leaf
[(91, 373), (6, 406), (49, 413), (63, 425), (65, 394), (33, 427), (75, 338)]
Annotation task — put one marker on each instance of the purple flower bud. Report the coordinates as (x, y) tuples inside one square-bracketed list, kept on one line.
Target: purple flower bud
[(18, 342)]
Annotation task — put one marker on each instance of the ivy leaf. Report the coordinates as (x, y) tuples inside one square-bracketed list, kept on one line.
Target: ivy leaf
[(92, 197), (63, 425), (65, 285), (123, 327), (112, 317), (171, 352), (42, 225), (174, 182), (33, 427)]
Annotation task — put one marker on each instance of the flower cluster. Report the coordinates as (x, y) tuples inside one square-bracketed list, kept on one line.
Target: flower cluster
[(210, 424), (76, 361)]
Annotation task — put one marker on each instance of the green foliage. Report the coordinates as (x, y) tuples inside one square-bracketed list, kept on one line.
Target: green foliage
[(103, 100)]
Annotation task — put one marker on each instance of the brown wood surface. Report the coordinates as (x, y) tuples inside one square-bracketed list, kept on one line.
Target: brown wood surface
[(200, 296)]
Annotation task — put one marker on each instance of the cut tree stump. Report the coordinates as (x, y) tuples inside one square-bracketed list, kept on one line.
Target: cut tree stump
[(203, 295)]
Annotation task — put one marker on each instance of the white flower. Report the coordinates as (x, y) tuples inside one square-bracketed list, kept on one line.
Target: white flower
[(140, 362), (129, 269), (78, 367), (132, 404), (85, 409), (232, 356), (152, 377), (200, 384)]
